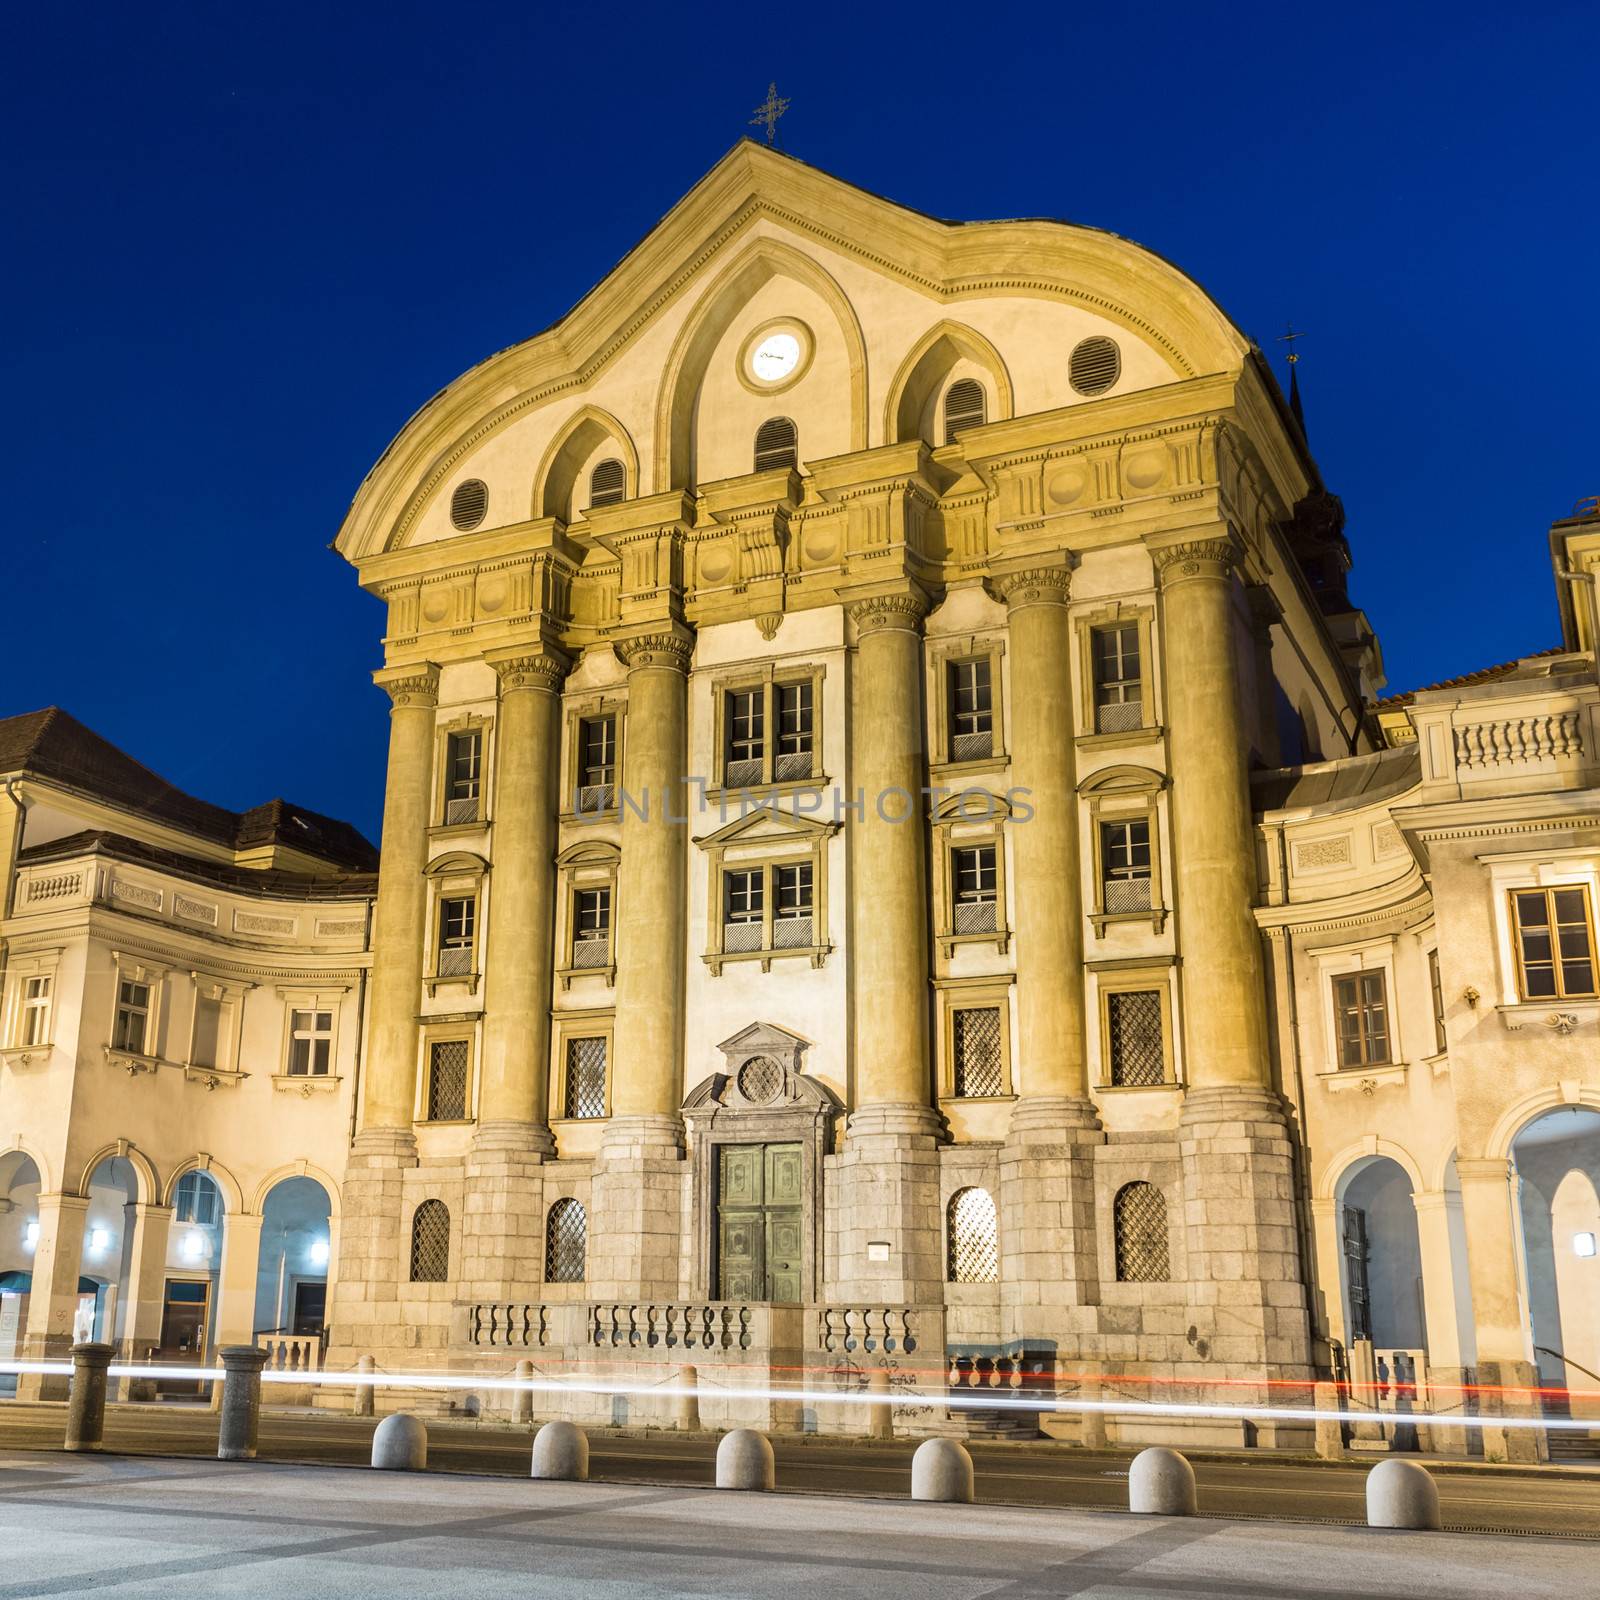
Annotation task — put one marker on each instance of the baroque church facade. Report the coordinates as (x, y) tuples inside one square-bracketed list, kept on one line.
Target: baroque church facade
[(893, 855)]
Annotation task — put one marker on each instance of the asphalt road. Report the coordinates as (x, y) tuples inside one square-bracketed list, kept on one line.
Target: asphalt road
[(1552, 1501)]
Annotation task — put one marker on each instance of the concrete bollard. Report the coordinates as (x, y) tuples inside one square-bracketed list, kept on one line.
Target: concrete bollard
[(1402, 1494), (686, 1403), (86, 1406), (522, 1399), (561, 1452), (942, 1470), (1161, 1484), (880, 1413), (241, 1402), (400, 1444), (1330, 1430), (745, 1461), (365, 1392)]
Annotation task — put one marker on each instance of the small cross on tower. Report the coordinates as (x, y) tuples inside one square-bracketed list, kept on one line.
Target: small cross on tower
[(769, 111)]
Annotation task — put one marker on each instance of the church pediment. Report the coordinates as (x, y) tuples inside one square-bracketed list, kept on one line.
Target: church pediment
[(767, 824)]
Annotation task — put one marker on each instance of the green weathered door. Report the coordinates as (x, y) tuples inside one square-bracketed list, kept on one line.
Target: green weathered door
[(759, 1232)]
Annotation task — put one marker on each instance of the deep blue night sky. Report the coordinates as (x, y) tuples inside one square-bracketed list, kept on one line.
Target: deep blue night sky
[(246, 247)]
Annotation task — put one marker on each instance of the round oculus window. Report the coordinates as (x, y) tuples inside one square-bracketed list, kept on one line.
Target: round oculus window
[(775, 357)]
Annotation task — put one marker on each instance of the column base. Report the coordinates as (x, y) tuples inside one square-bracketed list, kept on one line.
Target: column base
[(384, 1146), (364, 1315), (502, 1256), (894, 1121), (891, 1227), (1053, 1119), (1048, 1234), (529, 1139), (638, 1199), (645, 1136)]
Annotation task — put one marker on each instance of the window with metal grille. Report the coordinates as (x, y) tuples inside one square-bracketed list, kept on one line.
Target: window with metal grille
[(197, 1200), (1118, 691), (566, 1242), (973, 1237), (1361, 1015), (1125, 865), (469, 505), (591, 927), (1441, 1040), (463, 759), (1094, 365), (597, 763), (979, 1052), (743, 908), (430, 1243), (975, 884), (1133, 1025), (310, 1044), (447, 1080), (1555, 943), (35, 1021), (745, 742), (458, 920), (130, 1027), (964, 407), (1139, 1215), (791, 924), (970, 695), (777, 444), (586, 1077), (608, 484), (793, 708)]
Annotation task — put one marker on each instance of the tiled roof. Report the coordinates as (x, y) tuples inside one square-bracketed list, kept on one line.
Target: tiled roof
[(1505, 669), (53, 744)]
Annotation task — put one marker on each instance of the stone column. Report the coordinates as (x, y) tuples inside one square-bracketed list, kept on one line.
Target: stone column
[(53, 1299), (888, 1197), (241, 1403), (384, 1145), (1047, 1163), (236, 1282), (1438, 1226), (500, 1254), (149, 1229), (640, 1179), (1499, 1314), (1238, 1159)]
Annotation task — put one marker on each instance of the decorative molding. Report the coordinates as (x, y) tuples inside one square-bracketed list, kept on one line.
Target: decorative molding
[(885, 613), (769, 623), (1033, 586), (412, 688), (193, 910), (1195, 558), (260, 922), (1313, 855), (540, 668), (670, 650)]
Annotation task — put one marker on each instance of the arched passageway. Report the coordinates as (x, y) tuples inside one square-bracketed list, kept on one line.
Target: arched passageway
[(1381, 1257), (292, 1274)]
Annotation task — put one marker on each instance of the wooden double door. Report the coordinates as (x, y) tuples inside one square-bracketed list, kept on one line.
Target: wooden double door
[(760, 1231)]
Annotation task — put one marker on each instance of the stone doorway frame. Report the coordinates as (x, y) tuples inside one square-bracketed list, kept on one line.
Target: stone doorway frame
[(729, 1108)]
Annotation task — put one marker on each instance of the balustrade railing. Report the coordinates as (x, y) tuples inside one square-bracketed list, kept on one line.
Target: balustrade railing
[(291, 1352)]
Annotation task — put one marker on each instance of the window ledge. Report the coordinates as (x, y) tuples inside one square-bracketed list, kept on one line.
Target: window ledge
[(998, 762), (567, 974), (1367, 1079), (608, 814), (26, 1055), (1561, 1017), (717, 959), (1136, 1088), (1115, 741), (213, 1077), (1438, 1063), (773, 790), (978, 1099), (1156, 916), (457, 830), (132, 1063), (445, 1122), (306, 1084), (1000, 939), (466, 980)]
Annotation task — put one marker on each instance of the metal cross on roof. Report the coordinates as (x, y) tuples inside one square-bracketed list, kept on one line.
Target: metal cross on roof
[(1289, 338), (769, 111)]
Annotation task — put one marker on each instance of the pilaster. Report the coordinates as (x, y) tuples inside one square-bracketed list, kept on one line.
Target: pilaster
[(53, 1299)]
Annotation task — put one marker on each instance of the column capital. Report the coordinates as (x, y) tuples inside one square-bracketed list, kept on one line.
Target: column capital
[(1483, 1169), (530, 666), (900, 611), (1033, 586), (413, 686), (671, 650), (1195, 558)]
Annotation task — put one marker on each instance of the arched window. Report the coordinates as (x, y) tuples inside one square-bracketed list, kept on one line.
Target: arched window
[(197, 1200), (430, 1243), (1140, 1217), (965, 406), (608, 483), (777, 444), (566, 1242), (973, 1250)]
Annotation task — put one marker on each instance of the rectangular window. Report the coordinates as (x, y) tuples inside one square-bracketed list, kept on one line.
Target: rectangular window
[(1125, 865), (310, 1044), (743, 906), (447, 1080), (458, 920), (1133, 1033), (586, 1077), (746, 737), (205, 1050), (1441, 1039), (1118, 692), (591, 927), (970, 694), (597, 763), (195, 1202), (1361, 1013), (1555, 943), (976, 1043), (463, 758), (35, 1029), (795, 731), (975, 884), (792, 886), (130, 1028)]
